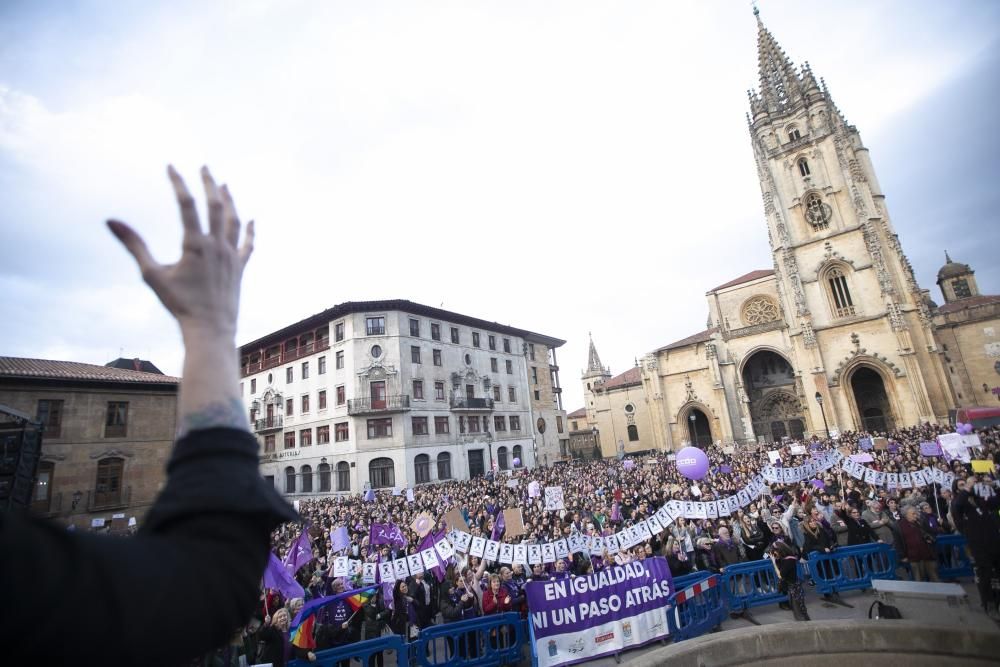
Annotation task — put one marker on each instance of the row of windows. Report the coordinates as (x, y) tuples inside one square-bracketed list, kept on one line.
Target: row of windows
[(382, 428), (50, 412), (415, 332), (108, 487), (381, 472)]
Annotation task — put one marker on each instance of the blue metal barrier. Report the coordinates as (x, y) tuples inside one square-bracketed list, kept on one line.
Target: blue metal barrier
[(692, 613), (953, 558), (357, 653), (852, 568), (752, 584), (479, 642), (684, 581)]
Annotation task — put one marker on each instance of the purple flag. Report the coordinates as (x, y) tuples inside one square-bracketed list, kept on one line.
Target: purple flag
[(428, 543), (299, 554), (386, 533), (498, 527), (340, 539), (930, 449), (370, 496), (818, 483), (725, 469), (278, 578)]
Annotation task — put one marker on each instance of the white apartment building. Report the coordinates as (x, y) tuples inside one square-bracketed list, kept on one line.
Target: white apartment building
[(393, 394)]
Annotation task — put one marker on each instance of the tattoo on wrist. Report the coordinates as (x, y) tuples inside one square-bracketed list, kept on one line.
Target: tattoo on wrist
[(221, 414)]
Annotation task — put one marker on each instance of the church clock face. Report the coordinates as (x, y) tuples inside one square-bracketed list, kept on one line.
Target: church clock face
[(817, 213)]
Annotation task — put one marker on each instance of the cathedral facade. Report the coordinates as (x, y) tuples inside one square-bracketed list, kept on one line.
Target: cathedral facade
[(836, 335)]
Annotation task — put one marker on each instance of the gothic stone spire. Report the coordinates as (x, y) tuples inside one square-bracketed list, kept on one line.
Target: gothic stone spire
[(594, 366)]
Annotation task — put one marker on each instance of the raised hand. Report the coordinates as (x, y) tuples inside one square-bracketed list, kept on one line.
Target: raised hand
[(202, 290)]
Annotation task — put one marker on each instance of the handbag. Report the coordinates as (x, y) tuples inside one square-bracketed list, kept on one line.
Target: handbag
[(881, 610)]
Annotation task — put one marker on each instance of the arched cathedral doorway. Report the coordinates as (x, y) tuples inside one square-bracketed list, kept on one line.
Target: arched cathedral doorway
[(871, 399), (699, 430), (769, 383)]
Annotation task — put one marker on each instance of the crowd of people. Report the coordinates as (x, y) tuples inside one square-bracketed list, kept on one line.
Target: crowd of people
[(786, 523)]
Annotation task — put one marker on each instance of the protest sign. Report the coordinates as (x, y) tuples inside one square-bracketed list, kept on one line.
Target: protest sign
[(930, 449), (600, 614), (880, 444), (422, 524), (513, 523), (554, 498), (455, 521), (982, 466)]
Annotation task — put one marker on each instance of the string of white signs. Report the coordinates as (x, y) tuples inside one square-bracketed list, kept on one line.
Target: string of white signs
[(532, 554)]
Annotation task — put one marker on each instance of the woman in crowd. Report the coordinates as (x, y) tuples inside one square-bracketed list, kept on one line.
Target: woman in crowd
[(917, 546), (786, 566)]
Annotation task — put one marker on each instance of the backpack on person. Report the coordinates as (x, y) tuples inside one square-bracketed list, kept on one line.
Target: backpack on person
[(883, 611)]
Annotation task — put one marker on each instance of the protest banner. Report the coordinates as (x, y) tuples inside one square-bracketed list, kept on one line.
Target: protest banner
[(574, 620)]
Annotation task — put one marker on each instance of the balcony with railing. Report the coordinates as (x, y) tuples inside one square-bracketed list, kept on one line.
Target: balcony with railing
[(271, 423), (284, 357), (462, 404), (106, 500), (372, 406)]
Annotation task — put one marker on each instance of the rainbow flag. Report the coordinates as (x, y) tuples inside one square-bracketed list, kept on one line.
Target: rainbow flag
[(303, 625), (360, 597)]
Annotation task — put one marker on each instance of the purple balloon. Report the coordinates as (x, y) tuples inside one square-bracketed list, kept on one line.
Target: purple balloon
[(517, 462), (692, 463)]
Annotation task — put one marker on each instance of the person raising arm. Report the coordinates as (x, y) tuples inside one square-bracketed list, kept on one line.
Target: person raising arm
[(192, 572)]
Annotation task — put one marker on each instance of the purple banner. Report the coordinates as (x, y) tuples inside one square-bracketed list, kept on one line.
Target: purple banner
[(386, 533), (930, 449), (578, 619)]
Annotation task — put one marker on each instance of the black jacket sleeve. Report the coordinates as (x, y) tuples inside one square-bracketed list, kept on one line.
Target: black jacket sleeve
[(192, 573)]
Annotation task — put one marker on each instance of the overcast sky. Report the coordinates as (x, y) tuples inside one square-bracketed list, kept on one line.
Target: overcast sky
[(524, 162)]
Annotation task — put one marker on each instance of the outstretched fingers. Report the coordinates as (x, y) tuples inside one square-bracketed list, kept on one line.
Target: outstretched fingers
[(189, 214), (247, 248), (231, 223), (135, 245), (214, 202)]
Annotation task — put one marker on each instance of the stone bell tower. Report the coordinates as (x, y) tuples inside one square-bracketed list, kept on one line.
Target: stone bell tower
[(858, 324)]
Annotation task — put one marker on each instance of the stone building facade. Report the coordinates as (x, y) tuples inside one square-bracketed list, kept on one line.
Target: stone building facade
[(394, 394), (837, 334), (967, 325), (108, 433)]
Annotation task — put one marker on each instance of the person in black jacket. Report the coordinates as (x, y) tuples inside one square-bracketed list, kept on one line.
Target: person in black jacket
[(977, 519), (192, 571)]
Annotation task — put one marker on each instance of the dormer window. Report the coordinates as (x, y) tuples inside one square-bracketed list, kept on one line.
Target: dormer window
[(804, 167), (793, 134)]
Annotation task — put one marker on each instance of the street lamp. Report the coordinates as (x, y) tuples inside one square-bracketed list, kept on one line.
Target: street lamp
[(597, 439), (489, 446), (819, 399), (694, 429)]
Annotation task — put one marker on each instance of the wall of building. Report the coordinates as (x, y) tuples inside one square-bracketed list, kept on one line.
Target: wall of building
[(81, 444), (469, 362), (970, 343)]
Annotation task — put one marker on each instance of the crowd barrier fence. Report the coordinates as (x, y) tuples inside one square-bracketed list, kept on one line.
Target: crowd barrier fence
[(953, 557), (358, 653), (686, 580), (488, 640), (752, 584), (852, 568), (697, 609)]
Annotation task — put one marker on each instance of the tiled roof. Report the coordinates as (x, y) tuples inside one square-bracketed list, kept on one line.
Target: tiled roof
[(349, 307), (17, 367), (700, 337), (970, 302), (630, 377), (135, 365), (577, 414), (745, 278)]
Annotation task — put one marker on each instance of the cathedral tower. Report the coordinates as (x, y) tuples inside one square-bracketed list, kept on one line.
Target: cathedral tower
[(859, 329)]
